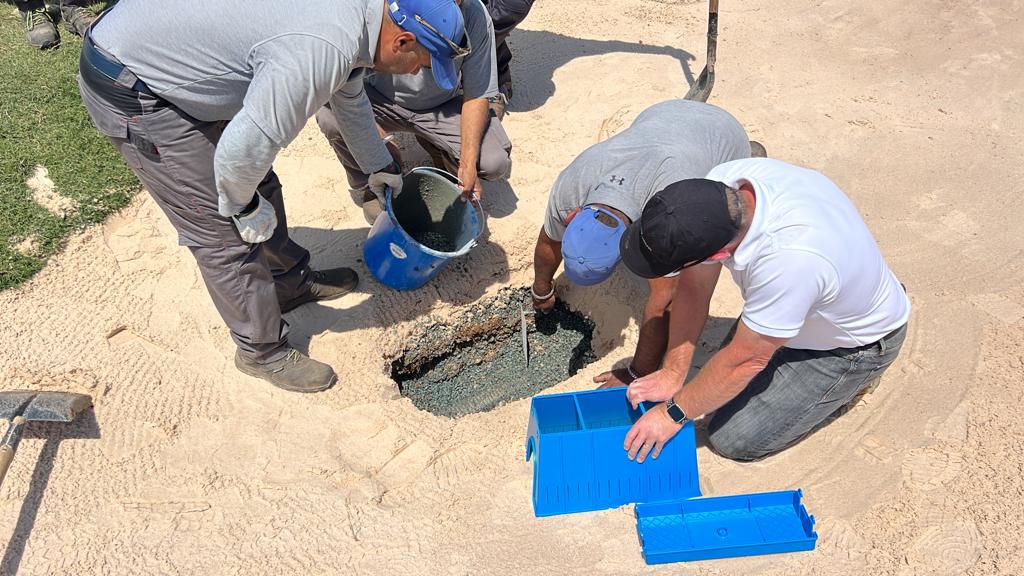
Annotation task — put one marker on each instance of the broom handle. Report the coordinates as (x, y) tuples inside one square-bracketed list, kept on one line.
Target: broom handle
[(10, 444)]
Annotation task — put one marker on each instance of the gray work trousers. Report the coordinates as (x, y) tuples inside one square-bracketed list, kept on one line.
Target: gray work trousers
[(794, 394), (172, 155), (441, 127)]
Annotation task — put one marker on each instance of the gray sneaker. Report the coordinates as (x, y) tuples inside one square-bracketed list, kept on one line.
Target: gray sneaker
[(53, 10), (77, 19), (40, 31), (296, 372)]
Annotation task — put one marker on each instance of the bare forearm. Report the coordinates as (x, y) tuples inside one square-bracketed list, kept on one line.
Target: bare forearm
[(547, 255), (651, 344), (653, 339), (719, 381), (690, 313), (474, 122)]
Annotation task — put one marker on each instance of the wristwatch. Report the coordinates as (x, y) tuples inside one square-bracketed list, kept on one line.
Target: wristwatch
[(675, 412)]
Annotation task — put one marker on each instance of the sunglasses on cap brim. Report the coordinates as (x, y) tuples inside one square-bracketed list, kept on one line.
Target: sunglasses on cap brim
[(458, 51)]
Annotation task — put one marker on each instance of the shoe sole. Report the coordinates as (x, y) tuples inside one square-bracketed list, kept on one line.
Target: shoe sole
[(259, 375)]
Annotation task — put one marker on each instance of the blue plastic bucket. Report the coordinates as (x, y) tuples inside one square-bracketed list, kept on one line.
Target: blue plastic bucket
[(421, 230)]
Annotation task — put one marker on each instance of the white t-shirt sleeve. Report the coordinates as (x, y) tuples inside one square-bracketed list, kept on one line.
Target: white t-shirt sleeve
[(783, 288)]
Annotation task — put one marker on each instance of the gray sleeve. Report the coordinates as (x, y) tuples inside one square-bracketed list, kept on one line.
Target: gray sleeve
[(556, 213), (293, 76), (480, 70), (243, 157), (351, 106), (289, 84)]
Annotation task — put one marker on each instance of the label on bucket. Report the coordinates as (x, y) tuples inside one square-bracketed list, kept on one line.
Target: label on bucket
[(396, 251)]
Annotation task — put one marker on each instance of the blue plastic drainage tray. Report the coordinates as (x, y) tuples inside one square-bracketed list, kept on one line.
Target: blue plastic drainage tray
[(724, 527), (575, 440)]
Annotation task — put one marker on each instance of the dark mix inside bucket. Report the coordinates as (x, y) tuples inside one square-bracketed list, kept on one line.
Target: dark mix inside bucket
[(433, 215)]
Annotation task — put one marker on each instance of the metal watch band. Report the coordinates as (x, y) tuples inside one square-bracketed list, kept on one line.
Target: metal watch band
[(675, 412)]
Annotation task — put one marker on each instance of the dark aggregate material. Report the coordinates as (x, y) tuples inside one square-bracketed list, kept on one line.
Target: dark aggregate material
[(432, 215), (475, 362), (436, 240)]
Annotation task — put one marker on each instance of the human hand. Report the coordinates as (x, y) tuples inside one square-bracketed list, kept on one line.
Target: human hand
[(658, 386), (389, 177), (470, 182), (613, 378), (258, 224), (543, 302), (650, 433)]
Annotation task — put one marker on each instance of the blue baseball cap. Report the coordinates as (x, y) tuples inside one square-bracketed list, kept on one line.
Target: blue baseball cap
[(590, 246), (439, 27)]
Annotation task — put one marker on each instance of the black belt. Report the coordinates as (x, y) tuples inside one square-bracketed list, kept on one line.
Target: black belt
[(111, 68)]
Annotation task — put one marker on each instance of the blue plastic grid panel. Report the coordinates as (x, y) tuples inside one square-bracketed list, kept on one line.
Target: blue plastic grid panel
[(579, 465), (725, 527)]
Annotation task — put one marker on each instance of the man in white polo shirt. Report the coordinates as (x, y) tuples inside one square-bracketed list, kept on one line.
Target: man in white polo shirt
[(823, 315)]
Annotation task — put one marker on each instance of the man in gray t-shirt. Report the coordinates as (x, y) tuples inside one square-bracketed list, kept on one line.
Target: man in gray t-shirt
[(199, 97), (454, 124), (605, 189)]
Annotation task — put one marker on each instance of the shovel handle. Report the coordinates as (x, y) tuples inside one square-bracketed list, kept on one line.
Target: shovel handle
[(712, 34), (10, 444)]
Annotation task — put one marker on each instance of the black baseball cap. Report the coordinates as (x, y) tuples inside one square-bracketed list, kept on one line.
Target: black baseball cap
[(682, 225)]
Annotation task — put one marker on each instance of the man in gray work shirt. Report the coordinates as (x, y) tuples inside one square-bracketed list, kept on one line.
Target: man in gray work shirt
[(199, 102), (454, 124), (605, 189)]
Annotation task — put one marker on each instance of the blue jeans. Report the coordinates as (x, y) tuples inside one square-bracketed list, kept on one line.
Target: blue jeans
[(794, 394)]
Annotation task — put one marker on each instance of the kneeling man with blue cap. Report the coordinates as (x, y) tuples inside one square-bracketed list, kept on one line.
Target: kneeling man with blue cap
[(606, 188)]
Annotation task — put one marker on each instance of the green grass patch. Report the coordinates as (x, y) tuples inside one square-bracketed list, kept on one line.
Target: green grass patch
[(42, 122)]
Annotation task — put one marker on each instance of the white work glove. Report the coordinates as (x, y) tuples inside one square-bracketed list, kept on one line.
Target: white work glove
[(257, 225), (378, 180)]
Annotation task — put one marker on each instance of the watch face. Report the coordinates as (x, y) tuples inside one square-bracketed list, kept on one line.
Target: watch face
[(675, 412)]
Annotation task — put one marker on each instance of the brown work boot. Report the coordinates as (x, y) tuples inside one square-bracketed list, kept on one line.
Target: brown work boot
[(371, 205), (77, 19), (296, 372), (40, 32), (327, 285), (757, 150)]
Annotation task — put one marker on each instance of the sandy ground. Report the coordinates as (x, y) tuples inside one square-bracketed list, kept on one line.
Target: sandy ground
[(187, 466)]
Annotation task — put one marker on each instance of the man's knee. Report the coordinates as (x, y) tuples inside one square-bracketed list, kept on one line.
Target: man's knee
[(733, 444), (495, 165)]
